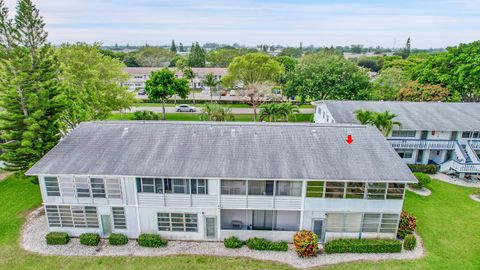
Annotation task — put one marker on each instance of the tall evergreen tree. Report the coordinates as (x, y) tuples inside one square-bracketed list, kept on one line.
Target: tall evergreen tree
[(406, 50), (197, 56), (173, 47), (180, 47), (30, 91)]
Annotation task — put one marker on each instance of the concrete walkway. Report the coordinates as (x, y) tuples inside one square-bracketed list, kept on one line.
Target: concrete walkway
[(158, 109), (456, 181)]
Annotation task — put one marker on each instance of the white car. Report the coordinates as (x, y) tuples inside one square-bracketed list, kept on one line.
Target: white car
[(185, 108), (232, 93)]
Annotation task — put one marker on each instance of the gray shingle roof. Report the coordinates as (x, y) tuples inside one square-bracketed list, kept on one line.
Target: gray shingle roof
[(226, 150), (440, 116)]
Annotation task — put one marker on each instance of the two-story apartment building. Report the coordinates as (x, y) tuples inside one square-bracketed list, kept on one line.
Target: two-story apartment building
[(209, 181), (139, 75), (447, 134)]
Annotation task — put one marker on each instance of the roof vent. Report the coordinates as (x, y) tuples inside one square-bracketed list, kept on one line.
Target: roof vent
[(314, 130)]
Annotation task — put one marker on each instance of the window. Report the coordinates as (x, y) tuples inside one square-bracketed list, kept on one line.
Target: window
[(167, 185), (389, 223), (98, 187), (404, 133), (334, 189), (177, 222), (355, 190), (119, 221), (344, 222), (476, 134), (289, 188), (395, 191), (376, 191), (199, 186), (315, 189), (82, 187), (51, 185), (319, 110), (72, 216), (180, 186), (371, 222), (466, 134), (405, 153), (264, 188), (114, 190), (233, 187), (150, 185), (67, 187)]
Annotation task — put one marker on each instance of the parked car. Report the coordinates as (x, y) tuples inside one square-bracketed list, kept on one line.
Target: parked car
[(232, 93), (142, 92), (223, 93), (185, 108)]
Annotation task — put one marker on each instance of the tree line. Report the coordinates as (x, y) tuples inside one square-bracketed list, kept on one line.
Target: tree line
[(47, 91)]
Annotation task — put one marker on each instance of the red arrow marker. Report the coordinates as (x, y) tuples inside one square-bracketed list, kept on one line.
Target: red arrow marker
[(349, 139)]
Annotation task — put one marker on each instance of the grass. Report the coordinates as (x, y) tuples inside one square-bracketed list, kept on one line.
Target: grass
[(194, 117), (448, 221)]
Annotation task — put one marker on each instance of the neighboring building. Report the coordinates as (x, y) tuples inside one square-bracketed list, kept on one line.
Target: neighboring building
[(447, 134), (139, 75), (209, 181)]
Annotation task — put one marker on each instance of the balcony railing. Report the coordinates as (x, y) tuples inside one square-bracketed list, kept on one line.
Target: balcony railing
[(422, 144), (460, 167), (475, 144)]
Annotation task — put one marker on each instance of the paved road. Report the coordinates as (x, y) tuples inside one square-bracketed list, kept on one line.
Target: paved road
[(234, 110)]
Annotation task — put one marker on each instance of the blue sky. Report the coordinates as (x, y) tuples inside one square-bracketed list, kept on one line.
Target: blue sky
[(429, 23)]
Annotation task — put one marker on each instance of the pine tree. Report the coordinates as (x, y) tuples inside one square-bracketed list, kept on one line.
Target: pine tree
[(197, 56), (180, 47), (173, 48), (406, 50), (30, 92)]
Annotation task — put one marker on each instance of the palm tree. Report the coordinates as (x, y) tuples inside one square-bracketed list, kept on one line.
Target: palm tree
[(190, 75), (384, 122), (211, 82), (273, 112), (365, 116), (215, 112)]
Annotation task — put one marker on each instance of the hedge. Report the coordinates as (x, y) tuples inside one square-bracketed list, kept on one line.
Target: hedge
[(422, 168), (232, 242), (410, 242), (117, 239), (264, 244), (57, 238), (306, 243), (151, 240), (89, 239), (363, 246)]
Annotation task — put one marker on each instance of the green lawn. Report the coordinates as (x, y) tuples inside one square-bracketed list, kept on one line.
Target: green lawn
[(448, 221), (194, 117)]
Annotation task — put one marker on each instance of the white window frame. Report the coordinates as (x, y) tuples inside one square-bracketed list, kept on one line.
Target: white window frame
[(177, 222), (52, 186)]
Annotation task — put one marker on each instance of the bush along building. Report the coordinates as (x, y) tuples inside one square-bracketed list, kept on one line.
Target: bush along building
[(445, 134), (210, 181)]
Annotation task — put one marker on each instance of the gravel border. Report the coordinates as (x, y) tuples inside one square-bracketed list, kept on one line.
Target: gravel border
[(35, 229), (455, 181), (425, 192), (475, 197)]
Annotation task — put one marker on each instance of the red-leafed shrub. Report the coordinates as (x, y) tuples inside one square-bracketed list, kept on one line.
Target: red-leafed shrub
[(407, 225), (306, 243)]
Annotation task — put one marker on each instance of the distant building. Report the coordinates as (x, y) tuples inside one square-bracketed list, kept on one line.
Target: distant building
[(139, 75), (447, 134)]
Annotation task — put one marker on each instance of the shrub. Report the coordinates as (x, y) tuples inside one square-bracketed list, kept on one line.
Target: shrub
[(423, 180), (145, 115), (423, 168), (89, 239), (264, 244), (410, 242), (306, 243), (57, 238), (151, 240), (233, 242), (363, 246), (117, 239), (407, 224)]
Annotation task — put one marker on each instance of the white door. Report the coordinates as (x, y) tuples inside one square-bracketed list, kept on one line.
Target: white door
[(211, 228)]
